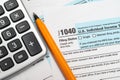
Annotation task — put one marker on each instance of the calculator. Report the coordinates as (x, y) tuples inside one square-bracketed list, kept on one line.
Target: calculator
[(20, 41)]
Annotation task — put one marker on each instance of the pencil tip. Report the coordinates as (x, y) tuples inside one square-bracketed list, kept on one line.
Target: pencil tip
[(35, 16)]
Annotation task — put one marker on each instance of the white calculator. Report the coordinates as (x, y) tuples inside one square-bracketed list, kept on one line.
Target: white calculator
[(20, 42)]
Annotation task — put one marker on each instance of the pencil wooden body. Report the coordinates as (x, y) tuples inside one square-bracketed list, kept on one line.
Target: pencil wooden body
[(55, 51)]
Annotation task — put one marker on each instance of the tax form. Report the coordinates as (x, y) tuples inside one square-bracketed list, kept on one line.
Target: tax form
[(88, 35), (37, 6)]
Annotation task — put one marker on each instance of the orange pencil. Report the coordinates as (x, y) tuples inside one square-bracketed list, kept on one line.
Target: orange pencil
[(62, 64)]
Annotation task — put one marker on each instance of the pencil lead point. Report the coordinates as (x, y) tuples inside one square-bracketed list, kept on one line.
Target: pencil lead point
[(35, 16)]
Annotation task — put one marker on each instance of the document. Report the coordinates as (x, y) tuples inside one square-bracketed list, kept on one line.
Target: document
[(88, 36), (38, 6)]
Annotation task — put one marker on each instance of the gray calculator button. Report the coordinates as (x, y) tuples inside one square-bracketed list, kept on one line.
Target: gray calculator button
[(6, 64), (20, 56), (17, 15), (4, 22), (10, 5), (14, 45), (3, 52), (23, 26), (1, 10), (0, 40), (8, 34), (31, 44)]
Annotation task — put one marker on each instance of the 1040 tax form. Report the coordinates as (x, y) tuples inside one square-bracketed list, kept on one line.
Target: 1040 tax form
[(88, 35), (38, 6)]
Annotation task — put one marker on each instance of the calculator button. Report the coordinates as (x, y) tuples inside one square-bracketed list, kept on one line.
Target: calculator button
[(14, 45), (8, 34), (4, 22), (10, 5), (3, 52), (6, 64), (22, 27), (17, 15), (20, 56), (0, 40), (31, 44), (1, 10)]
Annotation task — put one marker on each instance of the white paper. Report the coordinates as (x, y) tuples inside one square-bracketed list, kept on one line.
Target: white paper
[(88, 37)]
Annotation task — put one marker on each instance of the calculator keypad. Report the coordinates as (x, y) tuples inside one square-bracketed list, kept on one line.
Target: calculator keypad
[(19, 45)]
